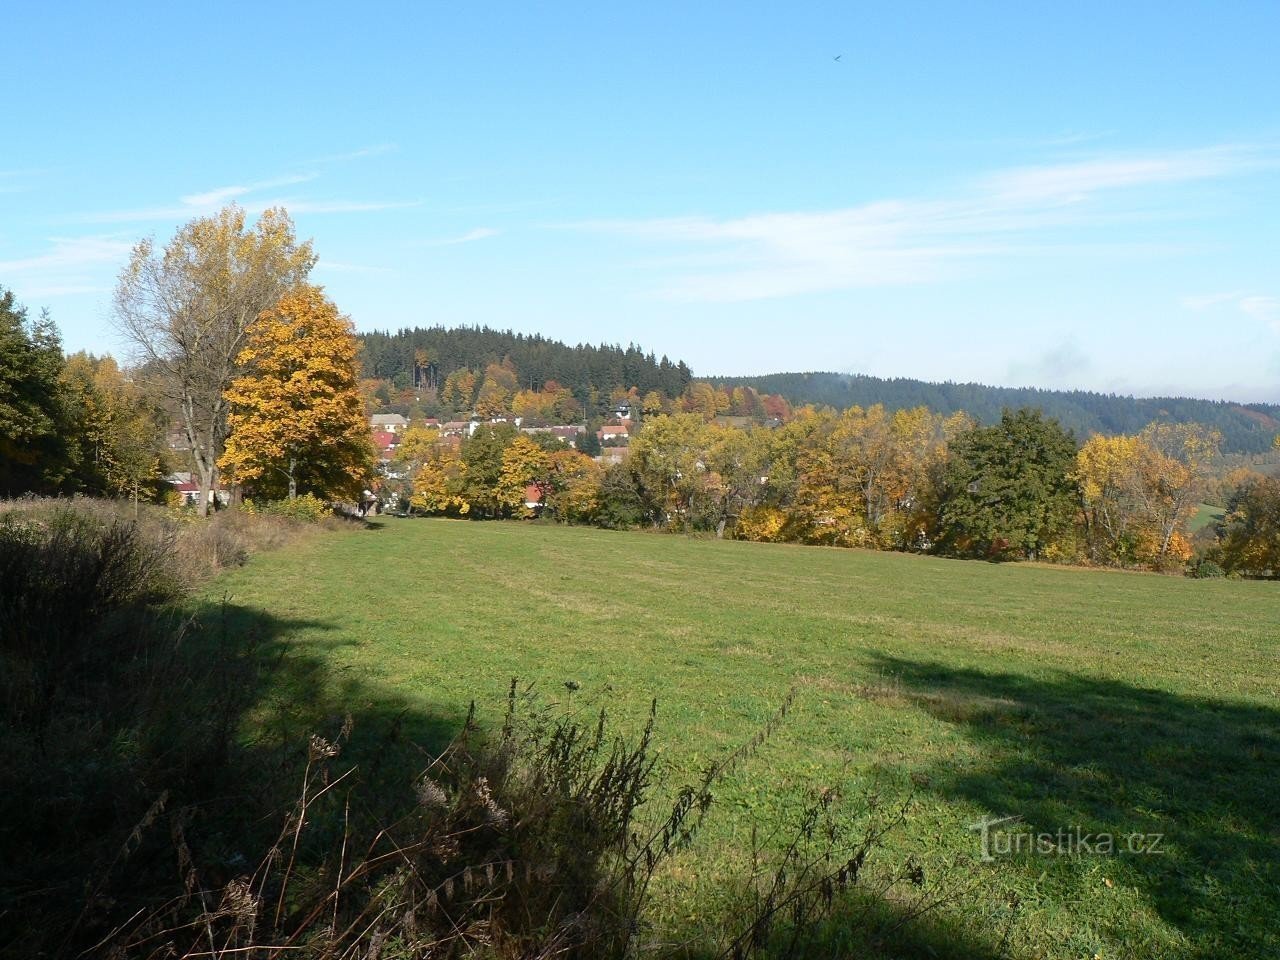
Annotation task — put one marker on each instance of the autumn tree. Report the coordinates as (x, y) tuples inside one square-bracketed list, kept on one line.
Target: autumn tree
[(700, 398), (1110, 477), (1250, 530), (1175, 478), (297, 420), (417, 443), (575, 481), (459, 390), (737, 464), (497, 390), (667, 459), (187, 308), (119, 429), (439, 482), (524, 463), (653, 404)]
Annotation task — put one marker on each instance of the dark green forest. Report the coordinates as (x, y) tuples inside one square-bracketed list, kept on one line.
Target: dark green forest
[(423, 357)]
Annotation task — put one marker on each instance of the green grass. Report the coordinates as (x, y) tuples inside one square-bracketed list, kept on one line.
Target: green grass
[(1118, 702), (1206, 513)]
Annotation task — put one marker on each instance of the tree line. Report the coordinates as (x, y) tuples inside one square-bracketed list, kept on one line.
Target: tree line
[(250, 364), (404, 365), (1244, 428), (258, 373), (1022, 488), (71, 424)]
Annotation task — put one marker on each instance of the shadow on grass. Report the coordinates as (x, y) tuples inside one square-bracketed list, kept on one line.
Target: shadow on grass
[(1101, 756), (165, 739), (175, 752)]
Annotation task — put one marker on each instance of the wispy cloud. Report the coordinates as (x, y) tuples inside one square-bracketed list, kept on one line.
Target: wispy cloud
[(40, 291), (220, 195), (339, 266), (69, 253), (1258, 306), (912, 240), (18, 181), (479, 233), (71, 265), (247, 195), (1078, 182), (375, 150), (334, 206), (1263, 308)]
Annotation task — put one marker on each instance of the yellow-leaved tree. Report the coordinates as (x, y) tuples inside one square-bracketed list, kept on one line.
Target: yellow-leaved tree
[(297, 421)]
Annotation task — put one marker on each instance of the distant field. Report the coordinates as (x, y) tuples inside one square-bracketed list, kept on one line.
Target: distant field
[(1206, 514), (1099, 701)]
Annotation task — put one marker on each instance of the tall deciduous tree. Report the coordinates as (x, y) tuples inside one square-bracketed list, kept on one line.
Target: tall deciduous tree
[(297, 420), (483, 456), (187, 308), (524, 462), (1176, 477), (439, 481)]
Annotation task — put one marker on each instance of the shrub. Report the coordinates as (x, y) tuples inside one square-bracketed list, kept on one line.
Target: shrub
[(1205, 568), (62, 570), (529, 843), (111, 710), (307, 508)]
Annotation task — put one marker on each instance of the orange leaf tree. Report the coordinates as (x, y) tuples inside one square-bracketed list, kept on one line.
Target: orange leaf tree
[(297, 420)]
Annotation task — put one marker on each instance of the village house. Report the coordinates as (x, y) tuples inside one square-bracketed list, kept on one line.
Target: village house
[(568, 433), (388, 423), (184, 483), (386, 442), (614, 432), (533, 498)]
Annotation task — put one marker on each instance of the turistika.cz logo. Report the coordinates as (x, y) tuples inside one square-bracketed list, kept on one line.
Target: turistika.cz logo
[(1002, 837)]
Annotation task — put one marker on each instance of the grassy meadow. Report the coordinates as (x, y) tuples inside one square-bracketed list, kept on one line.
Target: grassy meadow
[(1076, 700)]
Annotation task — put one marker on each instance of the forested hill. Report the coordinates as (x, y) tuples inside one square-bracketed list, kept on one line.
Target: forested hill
[(425, 357), (432, 353), (1245, 428)]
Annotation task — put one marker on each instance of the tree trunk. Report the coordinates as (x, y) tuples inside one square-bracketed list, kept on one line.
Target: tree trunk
[(293, 481), (208, 479)]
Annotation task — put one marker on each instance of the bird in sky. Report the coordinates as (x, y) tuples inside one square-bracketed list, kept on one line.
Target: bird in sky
[(837, 58)]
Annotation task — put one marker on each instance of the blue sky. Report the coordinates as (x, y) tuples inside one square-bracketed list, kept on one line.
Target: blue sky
[(1059, 195)]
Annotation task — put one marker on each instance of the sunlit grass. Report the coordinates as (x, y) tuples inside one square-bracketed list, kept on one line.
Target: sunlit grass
[(1103, 701)]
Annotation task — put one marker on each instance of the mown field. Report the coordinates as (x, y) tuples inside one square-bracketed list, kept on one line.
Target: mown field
[(1097, 702)]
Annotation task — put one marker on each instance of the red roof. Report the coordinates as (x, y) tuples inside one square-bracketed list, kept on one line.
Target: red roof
[(385, 440), (533, 493)]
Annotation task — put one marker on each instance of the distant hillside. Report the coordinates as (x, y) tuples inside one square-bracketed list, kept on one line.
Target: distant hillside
[(430, 354), (1245, 428), (424, 357)]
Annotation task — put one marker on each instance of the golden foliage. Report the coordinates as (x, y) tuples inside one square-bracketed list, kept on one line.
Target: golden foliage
[(297, 417)]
